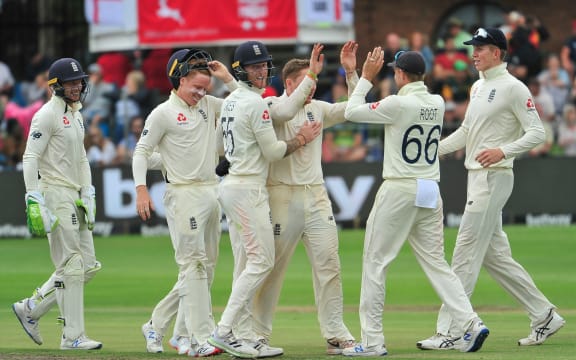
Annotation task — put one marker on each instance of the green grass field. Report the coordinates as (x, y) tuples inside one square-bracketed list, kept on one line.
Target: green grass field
[(139, 271)]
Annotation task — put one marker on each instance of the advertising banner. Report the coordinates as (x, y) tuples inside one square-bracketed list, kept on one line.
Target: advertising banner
[(197, 21), (544, 194)]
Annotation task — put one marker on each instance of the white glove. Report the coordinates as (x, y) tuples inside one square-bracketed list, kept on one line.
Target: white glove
[(39, 219), (87, 202)]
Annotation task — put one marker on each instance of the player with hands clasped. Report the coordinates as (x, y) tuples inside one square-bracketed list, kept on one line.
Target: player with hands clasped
[(182, 130), (501, 122), (250, 145), (61, 205), (299, 203), (408, 205)]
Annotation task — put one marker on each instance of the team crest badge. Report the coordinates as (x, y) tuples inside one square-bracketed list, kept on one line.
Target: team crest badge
[(530, 104), (373, 106)]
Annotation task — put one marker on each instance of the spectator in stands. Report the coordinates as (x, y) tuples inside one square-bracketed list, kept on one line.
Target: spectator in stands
[(544, 99), (525, 58), (36, 90), (126, 147), (154, 69), (456, 87), (556, 81), (97, 106), (393, 45), (513, 20), (338, 91), (567, 130), (14, 144), (21, 115), (445, 59), (455, 30), (100, 150), (135, 99), (538, 33), (6, 80), (568, 52), (346, 143), (418, 43), (115, 66)]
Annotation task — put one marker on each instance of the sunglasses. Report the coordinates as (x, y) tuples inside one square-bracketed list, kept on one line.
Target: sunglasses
[(398, 54), (481, 32)]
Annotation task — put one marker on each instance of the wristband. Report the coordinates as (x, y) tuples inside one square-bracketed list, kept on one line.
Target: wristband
[(312, 75)]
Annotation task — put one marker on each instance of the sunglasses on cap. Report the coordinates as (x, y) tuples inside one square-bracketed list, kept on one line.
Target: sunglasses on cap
[(398, 54), (481, 32)]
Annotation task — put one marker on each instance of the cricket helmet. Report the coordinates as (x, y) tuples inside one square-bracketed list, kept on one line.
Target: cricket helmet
[(185, 60)]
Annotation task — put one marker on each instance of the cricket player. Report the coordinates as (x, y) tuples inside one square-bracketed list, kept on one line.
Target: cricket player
[(501, 123), (408, 205), (300, 207), (250, 144), (61, 204), (183, 132)]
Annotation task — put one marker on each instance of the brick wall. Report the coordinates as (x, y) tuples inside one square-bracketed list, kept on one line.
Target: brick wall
[(375, 18)]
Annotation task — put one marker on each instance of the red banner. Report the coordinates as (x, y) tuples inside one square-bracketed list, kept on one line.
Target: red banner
[(177, 22)]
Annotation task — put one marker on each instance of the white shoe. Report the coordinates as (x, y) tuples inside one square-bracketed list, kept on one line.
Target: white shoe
[(29, 325), (360, 350), (335, 346), (265, 350), (206, 349), (82, 343), (474, 336), (181, 344), (152, 337), (232, 345), (543, 330), (438, 342)]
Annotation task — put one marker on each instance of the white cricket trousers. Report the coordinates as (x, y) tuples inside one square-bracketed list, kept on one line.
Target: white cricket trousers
[(71, 250), (193, 216), (304, 212), (244, 200), (393, 219), (482, 241)]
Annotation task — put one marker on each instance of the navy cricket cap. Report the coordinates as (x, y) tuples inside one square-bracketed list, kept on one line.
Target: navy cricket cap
[(409, 61), (489, 36)]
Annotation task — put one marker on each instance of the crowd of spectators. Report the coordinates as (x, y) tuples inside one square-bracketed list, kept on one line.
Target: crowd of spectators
[(125, 87)]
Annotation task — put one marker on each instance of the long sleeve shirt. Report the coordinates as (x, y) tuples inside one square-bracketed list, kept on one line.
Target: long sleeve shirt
[(412, 127), (55, 147), (501, 114), (185, 138)]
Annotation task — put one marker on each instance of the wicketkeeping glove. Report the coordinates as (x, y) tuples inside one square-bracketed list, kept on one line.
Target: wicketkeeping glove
[(87, 202), (39, 219)]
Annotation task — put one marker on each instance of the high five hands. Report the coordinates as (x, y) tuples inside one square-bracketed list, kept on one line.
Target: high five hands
[(373, 63)]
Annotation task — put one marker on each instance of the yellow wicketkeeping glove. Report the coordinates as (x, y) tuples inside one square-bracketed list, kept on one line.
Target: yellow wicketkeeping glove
[(87, 202), (39, 219)]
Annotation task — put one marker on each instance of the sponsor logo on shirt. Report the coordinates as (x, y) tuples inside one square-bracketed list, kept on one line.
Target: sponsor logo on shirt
[(266, 115), (145, 132), (181, 119), (530, 105), (36, 135), (373, 106)]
